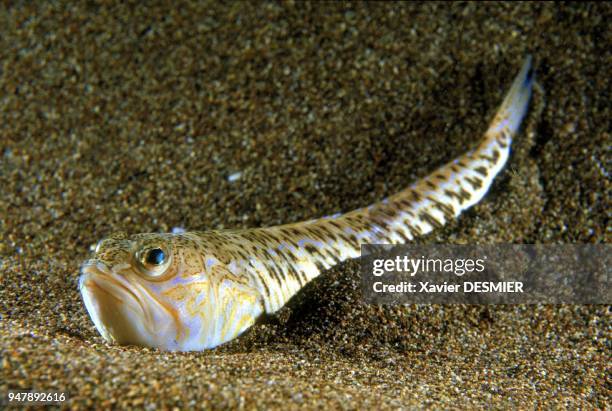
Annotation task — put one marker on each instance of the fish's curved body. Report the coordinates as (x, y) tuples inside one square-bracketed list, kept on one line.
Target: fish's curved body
[(196, 290)]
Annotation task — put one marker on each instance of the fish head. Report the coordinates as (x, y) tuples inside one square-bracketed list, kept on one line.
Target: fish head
[(166, 291), (119, 286)]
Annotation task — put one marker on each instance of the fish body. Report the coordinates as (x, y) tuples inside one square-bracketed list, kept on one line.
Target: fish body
[(195, 290)]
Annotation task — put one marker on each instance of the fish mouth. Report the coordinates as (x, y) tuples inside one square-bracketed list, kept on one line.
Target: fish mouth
[(123, 311)]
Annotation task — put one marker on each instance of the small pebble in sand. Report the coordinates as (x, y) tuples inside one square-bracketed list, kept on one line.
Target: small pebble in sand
[(234, 176)]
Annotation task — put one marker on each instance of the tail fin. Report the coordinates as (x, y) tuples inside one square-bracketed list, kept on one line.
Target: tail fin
[(514, 106)]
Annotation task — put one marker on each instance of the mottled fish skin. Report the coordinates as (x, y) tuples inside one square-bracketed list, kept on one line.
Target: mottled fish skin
[(213, 285)]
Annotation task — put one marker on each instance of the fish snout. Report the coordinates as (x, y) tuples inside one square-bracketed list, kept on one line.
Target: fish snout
[(124, 311)]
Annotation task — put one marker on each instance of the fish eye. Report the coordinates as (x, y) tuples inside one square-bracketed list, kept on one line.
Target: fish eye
[(155, 256), (153, 261)]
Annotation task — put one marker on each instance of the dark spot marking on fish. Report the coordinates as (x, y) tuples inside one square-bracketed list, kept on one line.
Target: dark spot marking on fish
[(413, 231), (464, 195), (487, 158), (481, 170), (476, 183), (313, 233), (446, 209), (402, 235), (291, 255), (333, 256), (287, 261), (389, 211), (320, 266), (267, 254), (382, 224), (344, 237), (318, 233), (425, 216), (271, 271), (302, 277), (315, 251), (335, 224), (310, 248), (267, 236), (452, 194), (293, 273), (265, 284), (495, 155)]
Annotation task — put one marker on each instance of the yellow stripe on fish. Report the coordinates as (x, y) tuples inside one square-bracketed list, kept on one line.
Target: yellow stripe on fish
[(196, 290)]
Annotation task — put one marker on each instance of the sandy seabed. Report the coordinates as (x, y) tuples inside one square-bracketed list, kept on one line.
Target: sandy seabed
[(121, 118)]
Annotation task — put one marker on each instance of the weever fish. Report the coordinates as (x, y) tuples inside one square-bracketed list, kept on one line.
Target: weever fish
[(195, 290)]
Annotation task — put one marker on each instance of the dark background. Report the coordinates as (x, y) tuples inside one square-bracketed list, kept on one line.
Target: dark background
[(133, 117)]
